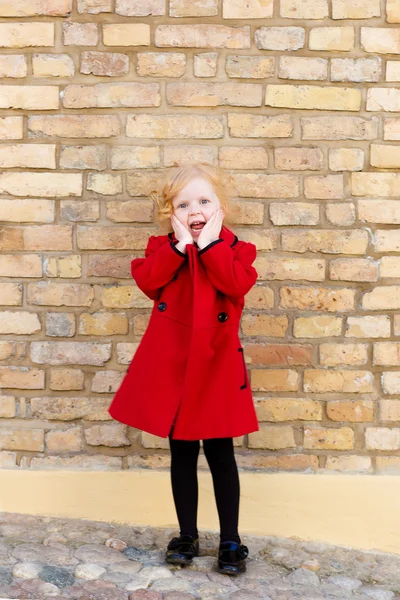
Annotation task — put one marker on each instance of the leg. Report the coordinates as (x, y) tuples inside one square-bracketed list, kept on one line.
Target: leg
[(184, 456), (220, 456)]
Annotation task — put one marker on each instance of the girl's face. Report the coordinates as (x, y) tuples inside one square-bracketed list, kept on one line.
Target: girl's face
[(194, 205)]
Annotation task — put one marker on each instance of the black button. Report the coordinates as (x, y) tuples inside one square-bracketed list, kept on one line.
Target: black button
[(162, 306), (222, 317)]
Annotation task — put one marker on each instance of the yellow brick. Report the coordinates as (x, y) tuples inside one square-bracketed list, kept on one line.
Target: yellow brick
[(94, 7), (31, 440), (102, 323), (238, 157), (175, 155), (11, 294), (317, 327), (368, 327), (382, 438), (11, 128), (66, 379), (8, 408), (354, 411), (14, 66), (382, 298), (288, 409), (355, 9), (104, 184), (202, 36), (272, 438), (259, 297), (250, 67), (174, 126), (29, 97), (328, 241), (134, 157), (205, 64), (341, 213), (214, 94), (324, 187), (23, 378), (20, 211), (160, 64), (52, 65), (266, 325), (247, 9), (332, 38), (329, 439), (80, 34), (245, 125), (298, 67), (274, 380), (294, 213), (48, 237), (293, 269), (387, 240), (31, 156), (321, 299), (381, 40), (126, 34), (107, 238), (46, 185), (60, 294), (298, 159), (323, 381), (392, 11), (19, 322), (385, 156), (304, 9), (24, 35), (334, 355), (109, 95), (353, 269), (31, 8), (346, 159), (387, 353), (125, 296), (390, 267), (187, 8), (73, 126), (356, 69), (339, 128), (391, 382), (140, 8), (383, 99), (266, 186), (312, 97), (348, 463), (389, 410)]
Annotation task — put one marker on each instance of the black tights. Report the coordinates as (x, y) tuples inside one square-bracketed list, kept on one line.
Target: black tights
[(220, 456)]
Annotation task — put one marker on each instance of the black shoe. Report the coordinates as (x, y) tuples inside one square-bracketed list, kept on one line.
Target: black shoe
[(182, 549), (232, 558)]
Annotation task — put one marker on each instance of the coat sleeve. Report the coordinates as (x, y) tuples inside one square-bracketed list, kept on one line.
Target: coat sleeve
[(162, 260), (230, 270)]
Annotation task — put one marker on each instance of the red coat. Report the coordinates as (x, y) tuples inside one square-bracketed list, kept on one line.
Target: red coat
[(189, 368)]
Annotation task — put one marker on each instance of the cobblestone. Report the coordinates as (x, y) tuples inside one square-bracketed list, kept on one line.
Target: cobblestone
[(71, 559)]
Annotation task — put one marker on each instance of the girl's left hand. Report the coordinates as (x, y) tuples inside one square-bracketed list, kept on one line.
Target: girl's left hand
[(211, 229)]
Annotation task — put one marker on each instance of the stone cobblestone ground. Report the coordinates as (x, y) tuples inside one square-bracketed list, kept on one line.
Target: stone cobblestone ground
[(71, 559)]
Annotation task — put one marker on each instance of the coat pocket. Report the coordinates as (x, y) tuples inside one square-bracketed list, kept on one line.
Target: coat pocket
[(244, 385)]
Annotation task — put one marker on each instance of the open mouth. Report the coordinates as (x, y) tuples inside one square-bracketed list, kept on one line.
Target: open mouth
[(197, 225)]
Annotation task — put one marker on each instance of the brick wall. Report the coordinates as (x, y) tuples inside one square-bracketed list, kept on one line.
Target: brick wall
[(294, 98)]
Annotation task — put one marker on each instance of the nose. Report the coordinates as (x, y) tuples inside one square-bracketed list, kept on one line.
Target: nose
[(194, 211)]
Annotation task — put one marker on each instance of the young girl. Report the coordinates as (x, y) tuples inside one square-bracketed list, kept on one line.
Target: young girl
[(188, 379)]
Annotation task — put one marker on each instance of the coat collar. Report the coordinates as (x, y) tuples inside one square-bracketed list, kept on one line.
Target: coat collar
[(225, 234)]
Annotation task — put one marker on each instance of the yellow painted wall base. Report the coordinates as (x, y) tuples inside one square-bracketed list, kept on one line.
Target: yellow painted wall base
[(353, 510)]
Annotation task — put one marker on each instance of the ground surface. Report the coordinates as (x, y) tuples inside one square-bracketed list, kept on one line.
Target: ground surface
[(43, 557)]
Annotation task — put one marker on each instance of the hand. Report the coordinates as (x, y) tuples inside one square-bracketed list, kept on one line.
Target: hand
[(211, 229), (182, 234)]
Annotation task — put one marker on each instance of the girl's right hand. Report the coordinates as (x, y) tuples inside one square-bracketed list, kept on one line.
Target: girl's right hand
[(182, 234)]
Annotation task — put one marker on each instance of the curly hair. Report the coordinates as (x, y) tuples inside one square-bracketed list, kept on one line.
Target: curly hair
[(178, 177)]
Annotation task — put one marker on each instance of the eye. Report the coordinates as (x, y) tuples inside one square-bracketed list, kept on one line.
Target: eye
[(204, 201), (182, 205)]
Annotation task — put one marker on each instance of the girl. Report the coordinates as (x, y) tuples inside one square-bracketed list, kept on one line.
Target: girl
[(188, 379)]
